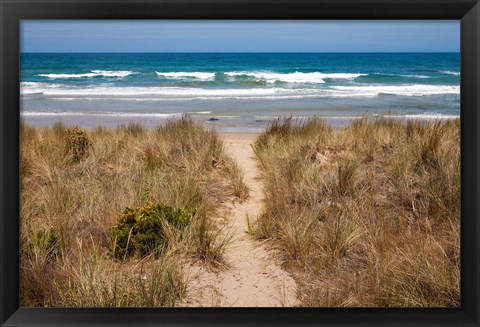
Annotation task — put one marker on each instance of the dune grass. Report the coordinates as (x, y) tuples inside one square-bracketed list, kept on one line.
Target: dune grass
[(366, 216), (75, 186)]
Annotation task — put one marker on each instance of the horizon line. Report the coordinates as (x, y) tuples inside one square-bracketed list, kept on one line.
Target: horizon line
[(155, 52)]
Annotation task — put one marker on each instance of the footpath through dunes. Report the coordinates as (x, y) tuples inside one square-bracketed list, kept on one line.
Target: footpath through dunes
[(253, 277)]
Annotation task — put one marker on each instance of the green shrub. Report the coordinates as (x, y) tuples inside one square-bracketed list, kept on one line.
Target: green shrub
[(77, 143), (142, 230), (43, 242)]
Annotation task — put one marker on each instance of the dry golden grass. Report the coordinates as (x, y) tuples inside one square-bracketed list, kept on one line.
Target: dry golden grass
[(368, 215), (77, 183)]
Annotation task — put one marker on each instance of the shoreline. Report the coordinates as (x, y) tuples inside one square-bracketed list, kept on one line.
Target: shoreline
[(219, 125)]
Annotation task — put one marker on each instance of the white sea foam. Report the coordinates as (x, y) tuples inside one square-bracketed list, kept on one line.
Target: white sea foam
[(296, 77), (36, 87), (449, 72), (93, 73), (33, 84), (416, 76), (403, 90), (425, 116), (56, 76), (182, 75), (62, 92), (400, 75), (109, 73), (102, 91)]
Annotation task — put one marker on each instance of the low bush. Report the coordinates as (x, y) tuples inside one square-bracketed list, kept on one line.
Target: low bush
[(77, 143), (142, 230)]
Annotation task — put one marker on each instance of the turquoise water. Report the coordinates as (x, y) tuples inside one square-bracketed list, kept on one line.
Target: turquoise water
[(246, 89)]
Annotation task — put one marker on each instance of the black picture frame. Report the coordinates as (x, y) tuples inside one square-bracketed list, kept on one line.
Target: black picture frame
[(12, 11)]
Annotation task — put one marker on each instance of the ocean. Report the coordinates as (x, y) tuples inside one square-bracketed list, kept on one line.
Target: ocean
[(235, 91)]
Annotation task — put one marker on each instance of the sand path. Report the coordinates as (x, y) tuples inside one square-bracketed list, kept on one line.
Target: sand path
[(253, 277)]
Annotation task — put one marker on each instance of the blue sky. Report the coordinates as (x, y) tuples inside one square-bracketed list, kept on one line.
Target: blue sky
[(239, 36)]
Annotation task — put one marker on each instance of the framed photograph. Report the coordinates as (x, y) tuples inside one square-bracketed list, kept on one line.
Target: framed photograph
[(239, 163)]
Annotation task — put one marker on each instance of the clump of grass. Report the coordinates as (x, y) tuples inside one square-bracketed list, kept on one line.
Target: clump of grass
[(236, 175), (133, 129), (77, 142), (94, 281), (340, 236), (180, 164), (45, 243), (368, 215), (347, 174), (210, 242), (298, 236), (288, 129), (142, 230)]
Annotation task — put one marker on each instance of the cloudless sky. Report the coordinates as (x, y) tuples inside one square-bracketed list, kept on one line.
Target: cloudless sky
[(239, 36)]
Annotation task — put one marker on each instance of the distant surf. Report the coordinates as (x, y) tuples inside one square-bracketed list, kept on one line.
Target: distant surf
[(169, 93), (236, 88), (92, 73)]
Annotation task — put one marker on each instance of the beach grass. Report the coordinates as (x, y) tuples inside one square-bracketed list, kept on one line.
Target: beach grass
[(79, 188), (365, 216)]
